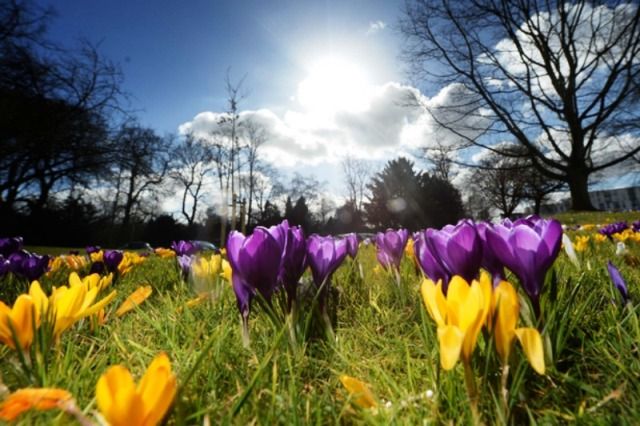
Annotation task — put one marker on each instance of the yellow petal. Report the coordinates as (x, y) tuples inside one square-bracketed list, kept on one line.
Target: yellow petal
[(216, 262), (531, 342), (226, 270), (74, 279), (359, 392), (96, 307), (472, 316), (105, 281), (5, 331), (32, 398), (40, 300), (92, 281), (487, 290), (457, 298), (434, 301), (450, 339), (134, 299), (507, 309), (68, 301), (157, 389), (117, 398), (22, 316)]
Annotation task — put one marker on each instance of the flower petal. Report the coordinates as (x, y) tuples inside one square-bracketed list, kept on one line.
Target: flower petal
[(450, 338), (157, 389), (137, 297), (531, 342), (359, 391)]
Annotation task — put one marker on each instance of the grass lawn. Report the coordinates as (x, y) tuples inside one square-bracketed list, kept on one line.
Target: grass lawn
[(384, 337)]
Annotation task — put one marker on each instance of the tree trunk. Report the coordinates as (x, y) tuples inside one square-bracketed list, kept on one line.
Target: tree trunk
[(537, 203), (579, 188)]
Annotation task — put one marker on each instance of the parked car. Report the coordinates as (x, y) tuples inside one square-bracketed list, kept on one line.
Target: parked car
[(205, 245), (137, 245)]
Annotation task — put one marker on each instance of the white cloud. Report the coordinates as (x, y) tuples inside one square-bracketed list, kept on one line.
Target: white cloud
[(387, 122), (376, 26)]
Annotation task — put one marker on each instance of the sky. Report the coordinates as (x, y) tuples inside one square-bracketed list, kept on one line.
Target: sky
[(324, 79), (324, 76)]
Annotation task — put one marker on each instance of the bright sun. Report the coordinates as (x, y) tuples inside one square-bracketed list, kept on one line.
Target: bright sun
[(334, 84)]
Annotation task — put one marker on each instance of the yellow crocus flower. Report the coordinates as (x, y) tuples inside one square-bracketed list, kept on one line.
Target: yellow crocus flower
[(359, 390), (507, 310), (599, 238), (97, 256), (582, 242), (26, 399), (459, 315), (137, 297), (165, 252), (121, 402), (71, 304), (202, 268), (91, 281), (129, 260), (19, 318), (40, 300), (226, 270)]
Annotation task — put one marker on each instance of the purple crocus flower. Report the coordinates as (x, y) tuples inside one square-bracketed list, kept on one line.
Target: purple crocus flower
[(294, 262), (256, 260), (15, 261), (390, 247), (184, 262), (92, 249), (458, 248), (112, 259), (618, 281), (613, 228), (34, 266), (10, 245), (430, 266), (528, 250), (183, 247), (96, 268), (636, 226), (489, 260), (352, 244), (28, 265), (324, 255), (5, 266)]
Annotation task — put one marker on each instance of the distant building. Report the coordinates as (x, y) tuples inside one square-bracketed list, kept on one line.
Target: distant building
[(619, 199), (616, 199)]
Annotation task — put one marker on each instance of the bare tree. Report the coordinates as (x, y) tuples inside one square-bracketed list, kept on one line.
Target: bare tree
[(356, 175), (267, 186), (56, 106), (327, 206), (440, 156), (500, 182), (255, 136), (227, 152), (553, 76), (140, 167), (192, 164)]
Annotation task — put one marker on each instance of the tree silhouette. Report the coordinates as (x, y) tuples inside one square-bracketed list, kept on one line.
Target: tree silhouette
[(403, 197)]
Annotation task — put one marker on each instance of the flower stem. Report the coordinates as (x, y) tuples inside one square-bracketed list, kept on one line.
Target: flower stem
[(246, 340), (472, 392), (505, 390)]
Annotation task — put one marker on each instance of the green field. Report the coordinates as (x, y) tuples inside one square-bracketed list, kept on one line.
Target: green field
[(384, 337)]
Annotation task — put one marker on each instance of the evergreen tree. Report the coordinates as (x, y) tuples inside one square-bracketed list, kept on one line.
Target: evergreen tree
[(403, 197)]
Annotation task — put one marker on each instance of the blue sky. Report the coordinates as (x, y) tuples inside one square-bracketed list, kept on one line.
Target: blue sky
[(175, 54), (323, 78)]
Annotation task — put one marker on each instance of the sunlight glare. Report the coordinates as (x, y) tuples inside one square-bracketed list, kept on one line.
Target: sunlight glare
[(333, 85)]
